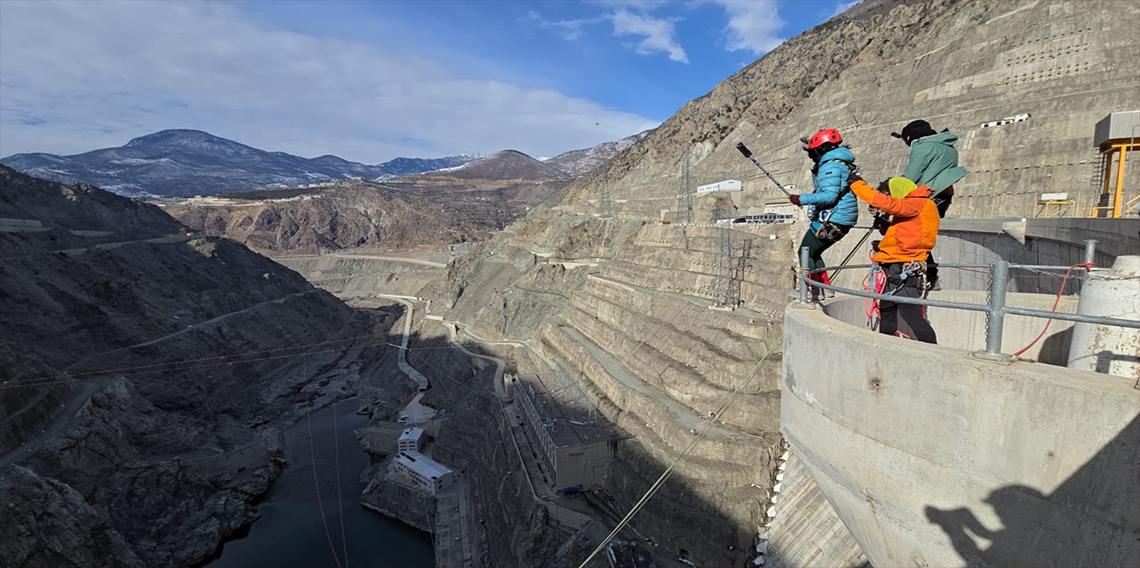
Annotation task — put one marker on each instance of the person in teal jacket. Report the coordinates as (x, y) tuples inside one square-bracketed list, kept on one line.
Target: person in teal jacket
[(834, 208), (933, 161)]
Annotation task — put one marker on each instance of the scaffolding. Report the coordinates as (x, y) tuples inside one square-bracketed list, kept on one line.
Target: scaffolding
[(605, 201), (1112, 200), (684, 214), (1115, 135)]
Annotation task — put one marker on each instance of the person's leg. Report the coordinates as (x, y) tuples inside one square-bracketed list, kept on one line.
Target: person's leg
[(815, 249), (811, 242), (912, 313), (888, 317)]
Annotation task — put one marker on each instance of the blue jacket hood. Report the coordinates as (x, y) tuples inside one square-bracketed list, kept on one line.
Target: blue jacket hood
[(842, 153), (830, 200)]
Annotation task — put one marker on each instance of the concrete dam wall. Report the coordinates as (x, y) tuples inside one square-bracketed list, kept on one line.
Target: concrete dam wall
[(919, 446)]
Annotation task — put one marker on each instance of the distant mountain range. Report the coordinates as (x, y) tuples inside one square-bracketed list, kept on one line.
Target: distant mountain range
[(507, 165), (182, 163), (185, 163), (581, 162)]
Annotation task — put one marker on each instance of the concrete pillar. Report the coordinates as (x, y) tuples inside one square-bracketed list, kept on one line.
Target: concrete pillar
[(1111, 293)]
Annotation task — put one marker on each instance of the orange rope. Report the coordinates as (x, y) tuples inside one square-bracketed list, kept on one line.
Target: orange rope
[(1060, 292)]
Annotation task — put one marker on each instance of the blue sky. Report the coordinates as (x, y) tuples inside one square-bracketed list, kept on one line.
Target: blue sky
[(371, 81)]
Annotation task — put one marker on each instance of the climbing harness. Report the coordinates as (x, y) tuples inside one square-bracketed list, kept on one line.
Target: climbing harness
[(915, 268), (878, 281)]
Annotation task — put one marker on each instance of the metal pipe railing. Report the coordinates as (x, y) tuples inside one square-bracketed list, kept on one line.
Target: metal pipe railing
[(996, 309)]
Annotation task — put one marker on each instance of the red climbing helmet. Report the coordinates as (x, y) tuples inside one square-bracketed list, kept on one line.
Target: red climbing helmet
[(823, 136)]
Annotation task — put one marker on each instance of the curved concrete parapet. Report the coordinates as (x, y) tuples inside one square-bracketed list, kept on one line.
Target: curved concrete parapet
[(932, 457)]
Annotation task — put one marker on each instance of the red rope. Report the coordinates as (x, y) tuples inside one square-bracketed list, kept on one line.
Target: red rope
[(1060, 292)]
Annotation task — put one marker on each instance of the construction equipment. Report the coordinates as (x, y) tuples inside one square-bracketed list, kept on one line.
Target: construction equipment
[(748, 154)]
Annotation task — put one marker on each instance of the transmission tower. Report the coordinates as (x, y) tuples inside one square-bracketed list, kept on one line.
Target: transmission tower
[(605, 202), (727, 289), (684, 192), (738, 276)]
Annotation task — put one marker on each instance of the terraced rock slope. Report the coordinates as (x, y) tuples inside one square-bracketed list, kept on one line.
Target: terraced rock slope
[(623, 304)]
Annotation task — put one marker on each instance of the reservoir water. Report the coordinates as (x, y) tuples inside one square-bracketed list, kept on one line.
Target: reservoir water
[(292, 529)]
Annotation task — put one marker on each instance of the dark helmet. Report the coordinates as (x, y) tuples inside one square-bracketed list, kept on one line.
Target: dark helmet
[(914, 130)]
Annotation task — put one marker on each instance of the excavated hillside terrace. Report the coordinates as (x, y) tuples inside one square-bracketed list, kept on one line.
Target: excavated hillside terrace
[(625, 307)]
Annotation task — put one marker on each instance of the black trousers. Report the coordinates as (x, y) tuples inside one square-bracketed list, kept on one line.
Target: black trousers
[(890, 312)]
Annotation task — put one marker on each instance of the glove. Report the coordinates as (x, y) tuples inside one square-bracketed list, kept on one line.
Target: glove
[(881, 223), (794, 198), (854, 176)]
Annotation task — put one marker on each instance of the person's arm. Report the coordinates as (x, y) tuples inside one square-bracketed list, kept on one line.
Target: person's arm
[(917, 163), (885, 203), (831, 181)]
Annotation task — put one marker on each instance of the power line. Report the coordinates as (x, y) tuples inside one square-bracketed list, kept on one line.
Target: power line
[(669, 470), (339, 497), (217, 362), (316, 482)]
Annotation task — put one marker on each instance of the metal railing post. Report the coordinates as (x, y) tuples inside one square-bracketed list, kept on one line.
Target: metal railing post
[(805, 260), (995, 320), (1090, 251)]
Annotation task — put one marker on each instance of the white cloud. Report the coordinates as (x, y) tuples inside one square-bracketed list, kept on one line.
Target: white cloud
[(658, 34), (78, 76), (753, 26), (569, 30)]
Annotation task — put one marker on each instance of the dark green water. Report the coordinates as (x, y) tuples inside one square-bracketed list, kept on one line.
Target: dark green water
[(291, 533)]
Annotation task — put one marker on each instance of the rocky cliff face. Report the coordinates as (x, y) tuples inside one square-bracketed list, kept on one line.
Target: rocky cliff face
[(623, 304), (139, 403), (426, 211)]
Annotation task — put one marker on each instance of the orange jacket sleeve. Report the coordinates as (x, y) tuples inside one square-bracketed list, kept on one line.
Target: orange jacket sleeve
[(885, 203)]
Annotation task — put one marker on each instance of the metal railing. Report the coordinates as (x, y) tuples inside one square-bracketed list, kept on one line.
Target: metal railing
[(996, 309)]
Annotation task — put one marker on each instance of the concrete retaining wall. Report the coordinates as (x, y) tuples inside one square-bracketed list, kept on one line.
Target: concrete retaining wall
[(934, 458), (961, 329), (1059, 242)]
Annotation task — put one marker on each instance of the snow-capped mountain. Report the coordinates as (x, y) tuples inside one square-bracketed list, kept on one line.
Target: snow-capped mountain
[(581, 162), (179, 163)]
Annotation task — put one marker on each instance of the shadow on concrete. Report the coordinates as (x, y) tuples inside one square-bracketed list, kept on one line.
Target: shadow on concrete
[(1055, 348), (514, 530), (1092, 519)]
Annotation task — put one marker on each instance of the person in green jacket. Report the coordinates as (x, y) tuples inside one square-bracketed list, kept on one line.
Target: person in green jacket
[(933, 161)]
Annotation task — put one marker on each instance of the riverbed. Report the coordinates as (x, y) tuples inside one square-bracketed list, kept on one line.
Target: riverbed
[(299, 530)]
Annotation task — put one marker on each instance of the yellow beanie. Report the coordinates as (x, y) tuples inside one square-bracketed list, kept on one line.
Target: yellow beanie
[(901, 187)]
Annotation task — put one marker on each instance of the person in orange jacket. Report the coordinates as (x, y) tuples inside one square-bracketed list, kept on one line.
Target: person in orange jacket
[(907, 241)]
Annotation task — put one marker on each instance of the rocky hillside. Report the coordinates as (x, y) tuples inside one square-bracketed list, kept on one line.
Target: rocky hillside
[(192, 162), (140, 411), (622, 304), (957, 64), (508, 165), (580, 162), (422, 212)]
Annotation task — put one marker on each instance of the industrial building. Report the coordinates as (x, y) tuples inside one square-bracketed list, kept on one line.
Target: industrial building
[(575, 452), (725, 185), (426, 473), (411, 440)]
